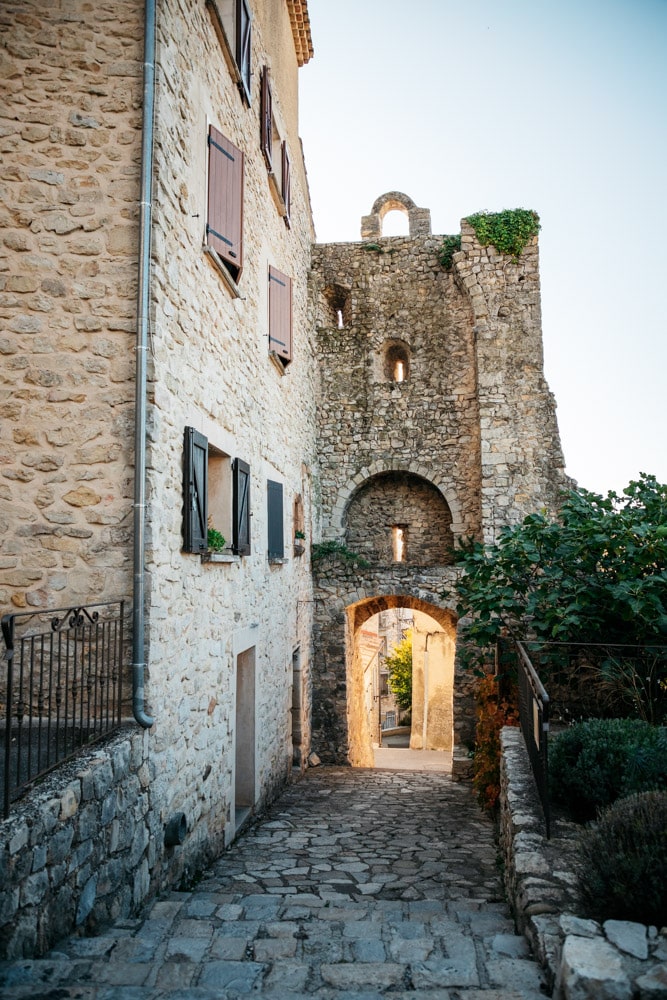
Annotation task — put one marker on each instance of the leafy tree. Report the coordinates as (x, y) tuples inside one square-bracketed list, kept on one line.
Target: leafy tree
[(597, 574), (399, 665)]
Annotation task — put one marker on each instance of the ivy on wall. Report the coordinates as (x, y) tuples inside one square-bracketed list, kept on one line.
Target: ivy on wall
[(508, 231)]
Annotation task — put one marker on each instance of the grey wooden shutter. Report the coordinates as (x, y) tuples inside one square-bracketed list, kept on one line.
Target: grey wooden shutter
[(224, 228), (266, 118), (241, 507), (195, 491), (280, 314), (286, 182), (244, 46), (274, 508)]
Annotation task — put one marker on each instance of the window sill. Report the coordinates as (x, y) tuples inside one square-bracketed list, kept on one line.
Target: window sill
[(277, 560), (218, 557), (232, 287)]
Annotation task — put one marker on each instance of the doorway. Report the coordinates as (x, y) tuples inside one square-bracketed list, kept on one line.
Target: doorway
[(244, 737)]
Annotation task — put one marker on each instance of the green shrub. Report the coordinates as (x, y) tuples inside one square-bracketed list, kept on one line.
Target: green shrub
[(623, 858), (593, 763)]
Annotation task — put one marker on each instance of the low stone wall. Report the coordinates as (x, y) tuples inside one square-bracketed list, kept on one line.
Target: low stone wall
[(582, 959), (80, 849)]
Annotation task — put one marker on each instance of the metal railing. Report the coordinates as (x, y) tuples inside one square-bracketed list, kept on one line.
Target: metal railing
[(534, 718), (62, 687)]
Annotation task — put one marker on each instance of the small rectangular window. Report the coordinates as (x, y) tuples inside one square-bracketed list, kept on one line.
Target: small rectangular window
[(266, 119), (280, 314), (286, 183), (233, 26), (274, 506), (241, 507), (244, 45)]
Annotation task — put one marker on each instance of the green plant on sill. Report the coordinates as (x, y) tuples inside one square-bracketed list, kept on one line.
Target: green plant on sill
[(215, 540), (450, 246), (322, 550)]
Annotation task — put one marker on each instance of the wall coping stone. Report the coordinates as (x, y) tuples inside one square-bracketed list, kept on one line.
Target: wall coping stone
[(583, 960)]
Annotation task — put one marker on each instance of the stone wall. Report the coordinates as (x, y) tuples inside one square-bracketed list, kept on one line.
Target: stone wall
[(583, 959), (70, 139)]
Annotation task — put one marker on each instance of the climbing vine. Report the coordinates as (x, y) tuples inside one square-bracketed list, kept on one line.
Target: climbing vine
[(450, 246), (507, 231)]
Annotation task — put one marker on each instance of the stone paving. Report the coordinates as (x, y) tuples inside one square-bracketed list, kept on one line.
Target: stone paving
[(357, 884)]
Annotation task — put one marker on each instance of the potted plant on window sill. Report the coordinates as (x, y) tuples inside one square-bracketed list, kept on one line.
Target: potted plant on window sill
[(299, 539), (216, 551)]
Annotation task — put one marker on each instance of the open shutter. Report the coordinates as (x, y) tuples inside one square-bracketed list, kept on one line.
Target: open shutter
[(274, 507), (286, 182), (280, 314), (195, 491), (241, 507), (244, 45), (266, 118), (224, 229)]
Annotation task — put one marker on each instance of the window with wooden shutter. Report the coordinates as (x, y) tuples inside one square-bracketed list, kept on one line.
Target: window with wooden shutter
[(244, 45), (224, 228), (241, 507), (286, 182), (280, 314), (266, 118), (195, 491), (274, 507)]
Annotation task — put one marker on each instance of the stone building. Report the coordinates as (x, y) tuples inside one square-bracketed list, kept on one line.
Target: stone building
[(179, 356), (434, 423), (155, 246)]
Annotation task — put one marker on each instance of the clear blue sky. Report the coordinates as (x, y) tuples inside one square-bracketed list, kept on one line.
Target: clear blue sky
[(559, 107)]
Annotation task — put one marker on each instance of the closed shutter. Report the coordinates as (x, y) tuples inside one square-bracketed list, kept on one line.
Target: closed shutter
[(195, 491), (244, 45), (274, 506), (241, 507), (266, 118), (224, 229), (280, 314), (286, 182)]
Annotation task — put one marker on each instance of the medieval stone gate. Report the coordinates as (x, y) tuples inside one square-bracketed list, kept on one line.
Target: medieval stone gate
[(435, 423)]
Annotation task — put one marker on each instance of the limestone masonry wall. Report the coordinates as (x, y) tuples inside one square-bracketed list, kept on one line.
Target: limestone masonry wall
[(70, 140)]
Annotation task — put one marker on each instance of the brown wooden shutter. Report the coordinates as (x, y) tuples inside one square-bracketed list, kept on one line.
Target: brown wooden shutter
[(195, 491), (274, 512), (224, 229), (241, 507), (286, 182), (244, 46), (266, 118), (280, 314)]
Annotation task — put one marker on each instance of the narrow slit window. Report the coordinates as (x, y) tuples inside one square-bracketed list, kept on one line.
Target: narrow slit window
[(398, 542), (399, 372), (339, 314)]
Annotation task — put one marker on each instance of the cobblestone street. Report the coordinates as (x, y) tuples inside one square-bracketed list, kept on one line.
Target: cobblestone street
[(357, 884)]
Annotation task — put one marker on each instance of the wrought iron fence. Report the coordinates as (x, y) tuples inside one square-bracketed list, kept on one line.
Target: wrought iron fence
[(62, 687), (534, 717)]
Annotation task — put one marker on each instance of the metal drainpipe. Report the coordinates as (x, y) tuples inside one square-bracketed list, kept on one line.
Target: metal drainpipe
[(143, 306)]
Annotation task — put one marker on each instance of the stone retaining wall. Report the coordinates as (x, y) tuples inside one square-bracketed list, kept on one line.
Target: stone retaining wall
[(583, 959)]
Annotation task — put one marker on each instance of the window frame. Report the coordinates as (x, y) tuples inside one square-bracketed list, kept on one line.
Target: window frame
[(233, 27)]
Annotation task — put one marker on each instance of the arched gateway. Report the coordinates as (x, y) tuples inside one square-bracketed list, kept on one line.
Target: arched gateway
[(435, 423)]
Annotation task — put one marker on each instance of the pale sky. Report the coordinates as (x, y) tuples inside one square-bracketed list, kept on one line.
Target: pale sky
[(554, 106)]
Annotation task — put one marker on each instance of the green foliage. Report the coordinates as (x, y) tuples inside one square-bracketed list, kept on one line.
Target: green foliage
[(508, 231), (450, 246), (593, 763), (493, 712), (300, 534), (399, 665), (623, 862), (374, 247), (597, 574), (215, 540), (334, 549)]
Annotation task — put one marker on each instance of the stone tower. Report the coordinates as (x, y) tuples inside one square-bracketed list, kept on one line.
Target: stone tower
[(435, 423)]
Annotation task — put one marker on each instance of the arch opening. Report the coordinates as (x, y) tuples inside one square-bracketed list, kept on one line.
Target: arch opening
[(396, 222), (390, 704)]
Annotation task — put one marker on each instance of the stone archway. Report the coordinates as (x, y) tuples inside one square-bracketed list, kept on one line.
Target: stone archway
[(433, 675)]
